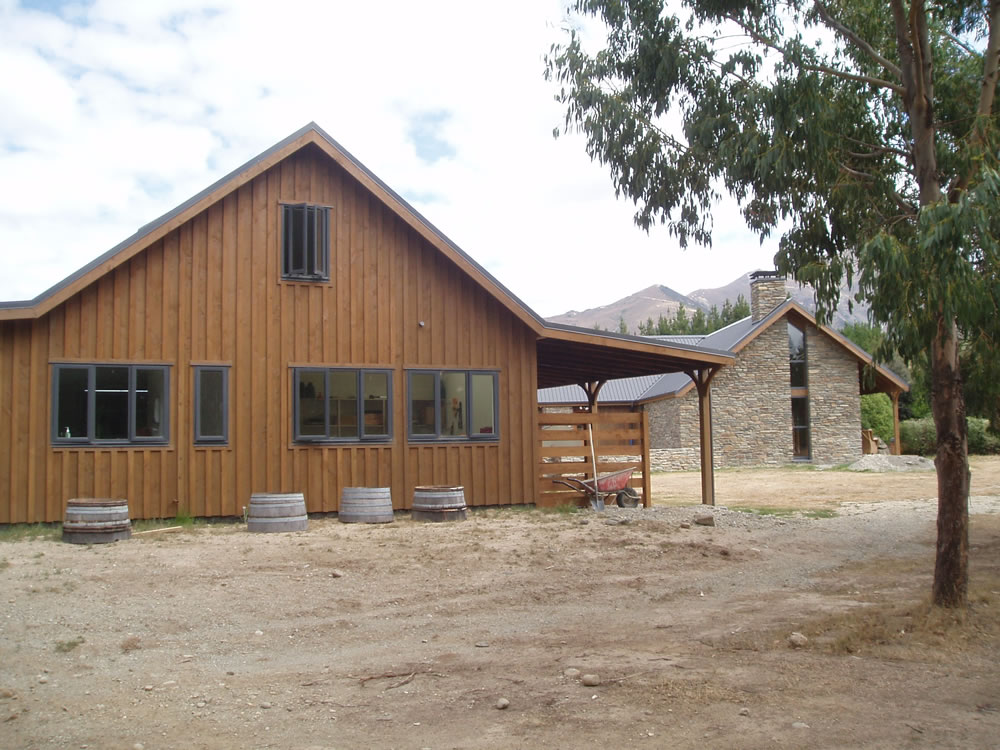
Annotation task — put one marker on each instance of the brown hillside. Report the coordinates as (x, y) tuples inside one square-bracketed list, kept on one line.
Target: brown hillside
[(657, 300)]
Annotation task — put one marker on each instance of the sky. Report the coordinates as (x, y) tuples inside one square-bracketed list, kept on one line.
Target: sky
[(113, 112)]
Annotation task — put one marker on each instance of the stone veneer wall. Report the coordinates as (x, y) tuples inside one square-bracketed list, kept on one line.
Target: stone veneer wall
[(752, 412), (834, 401), (765, 295), (751, 404), (673, 433)]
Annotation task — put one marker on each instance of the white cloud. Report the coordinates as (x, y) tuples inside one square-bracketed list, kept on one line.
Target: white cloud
[(117, 111)]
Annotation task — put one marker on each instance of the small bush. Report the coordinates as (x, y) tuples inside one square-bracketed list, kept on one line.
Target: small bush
[(920, 437), (64, 647), (876, 415), (130, 644), (981, 440)]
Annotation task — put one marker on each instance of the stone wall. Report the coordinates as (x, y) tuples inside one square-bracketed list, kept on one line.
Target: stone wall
[(751, 404), (751, 408), (673, 433), (765, 295), (665, 423), (834, 401)]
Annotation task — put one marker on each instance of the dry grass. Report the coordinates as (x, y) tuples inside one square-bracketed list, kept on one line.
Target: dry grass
[(887, 612), (132, 643), (813, 490), (64, 647)]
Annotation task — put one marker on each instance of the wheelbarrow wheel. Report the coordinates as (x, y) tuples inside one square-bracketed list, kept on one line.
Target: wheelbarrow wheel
[(627, 498)]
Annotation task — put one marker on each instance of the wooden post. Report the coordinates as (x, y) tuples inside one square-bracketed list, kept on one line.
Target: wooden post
[(647, 498), (897, 446), (703, 382), (592, 389)]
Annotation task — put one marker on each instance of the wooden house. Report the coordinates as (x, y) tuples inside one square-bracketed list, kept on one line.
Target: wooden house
[(295, 327)]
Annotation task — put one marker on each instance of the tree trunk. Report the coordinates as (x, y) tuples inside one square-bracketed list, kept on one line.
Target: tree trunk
[(951, 567)]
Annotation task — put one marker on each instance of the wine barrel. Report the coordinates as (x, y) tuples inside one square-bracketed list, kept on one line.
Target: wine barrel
[(277, 512), (96, 521), (365, 505), (433, 503)]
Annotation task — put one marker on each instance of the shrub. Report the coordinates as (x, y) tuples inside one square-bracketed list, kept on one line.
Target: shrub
[(919, 437), (876, 415), (981, 440)]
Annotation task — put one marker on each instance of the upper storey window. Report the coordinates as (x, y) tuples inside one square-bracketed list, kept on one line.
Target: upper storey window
[(305, 242)]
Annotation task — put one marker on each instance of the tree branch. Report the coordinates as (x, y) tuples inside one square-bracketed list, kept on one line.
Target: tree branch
[(878, 149), (854, 77), (856, 173), (991, 63), (807, 66), (960, 44), (991, 72), (849, 34)]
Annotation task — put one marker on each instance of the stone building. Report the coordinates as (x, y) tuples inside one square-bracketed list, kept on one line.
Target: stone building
[(792, 393)]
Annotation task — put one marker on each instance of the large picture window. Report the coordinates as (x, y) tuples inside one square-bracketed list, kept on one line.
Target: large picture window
[(453, 404), (112, 403), (211, 405), (340, 404), (305, 242)]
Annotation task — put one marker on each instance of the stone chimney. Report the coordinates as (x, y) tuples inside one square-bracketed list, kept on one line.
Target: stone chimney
[(767, 291)]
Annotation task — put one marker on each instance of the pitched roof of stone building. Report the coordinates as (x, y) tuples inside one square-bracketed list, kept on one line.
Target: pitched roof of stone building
[(733, 339)]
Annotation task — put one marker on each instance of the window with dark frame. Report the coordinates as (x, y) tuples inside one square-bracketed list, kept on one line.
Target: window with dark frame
[(211, 405), (112, 403), (798, 380), (339, 404), (305, 242), (452, 405)]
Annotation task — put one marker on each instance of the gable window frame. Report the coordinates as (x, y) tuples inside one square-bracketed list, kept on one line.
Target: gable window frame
[(440, 418), (798, 379), (200, 436), (362, 406), (62, 435), (305, 242)]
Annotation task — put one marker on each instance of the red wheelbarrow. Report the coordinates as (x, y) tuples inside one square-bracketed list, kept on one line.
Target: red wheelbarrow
[(616, 484)]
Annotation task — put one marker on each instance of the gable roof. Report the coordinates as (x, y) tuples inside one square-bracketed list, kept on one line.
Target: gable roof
[(565, 354), (310, 134), (733, 339)]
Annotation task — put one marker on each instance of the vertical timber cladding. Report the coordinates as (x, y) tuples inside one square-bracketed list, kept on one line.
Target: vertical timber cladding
[(210, 292)]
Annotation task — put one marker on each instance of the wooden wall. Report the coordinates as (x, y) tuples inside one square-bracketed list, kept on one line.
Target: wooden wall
[(621, 441), (210, 292)]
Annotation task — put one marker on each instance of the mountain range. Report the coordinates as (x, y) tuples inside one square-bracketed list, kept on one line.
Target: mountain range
[(657, 300)]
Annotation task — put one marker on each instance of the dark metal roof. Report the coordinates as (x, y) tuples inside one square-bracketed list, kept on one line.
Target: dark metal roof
[(638, 389), (625, 390), (593, 356), (691, 339)]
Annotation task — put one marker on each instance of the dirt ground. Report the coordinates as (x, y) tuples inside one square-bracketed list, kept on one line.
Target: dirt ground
[(412, 635)]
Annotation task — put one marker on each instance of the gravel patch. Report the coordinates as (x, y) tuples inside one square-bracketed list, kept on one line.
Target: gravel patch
[(881, 462)]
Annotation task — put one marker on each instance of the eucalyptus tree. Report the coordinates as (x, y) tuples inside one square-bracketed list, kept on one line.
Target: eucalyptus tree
[(864, 132)]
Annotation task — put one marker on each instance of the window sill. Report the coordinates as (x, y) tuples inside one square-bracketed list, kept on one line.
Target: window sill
[(310, 280), (448, 440), (110, 446), (329, 442)]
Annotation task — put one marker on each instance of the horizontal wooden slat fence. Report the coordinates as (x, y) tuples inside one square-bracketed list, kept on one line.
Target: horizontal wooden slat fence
[(621, 441)]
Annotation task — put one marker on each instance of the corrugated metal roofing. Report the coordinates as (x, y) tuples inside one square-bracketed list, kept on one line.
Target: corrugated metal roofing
[(689, 339), (623, 391)]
